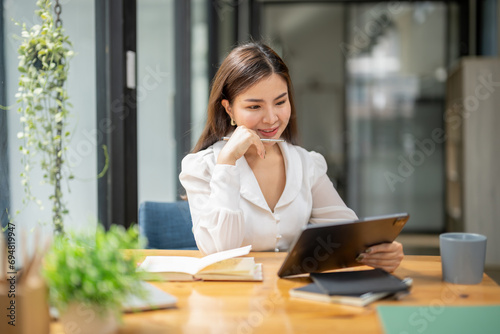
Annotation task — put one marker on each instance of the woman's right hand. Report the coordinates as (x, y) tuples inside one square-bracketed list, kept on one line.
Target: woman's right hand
[(239, 143)]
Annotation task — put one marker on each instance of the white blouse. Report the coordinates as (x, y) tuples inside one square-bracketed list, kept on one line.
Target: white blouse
[(229, 210)]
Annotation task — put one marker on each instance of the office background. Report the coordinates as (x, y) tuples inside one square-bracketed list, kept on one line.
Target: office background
[(369, 79)]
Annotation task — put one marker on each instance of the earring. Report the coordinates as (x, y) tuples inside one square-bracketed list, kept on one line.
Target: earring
[(233, 123)]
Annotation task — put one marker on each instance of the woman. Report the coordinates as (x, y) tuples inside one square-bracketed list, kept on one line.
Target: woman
[(243, 190)]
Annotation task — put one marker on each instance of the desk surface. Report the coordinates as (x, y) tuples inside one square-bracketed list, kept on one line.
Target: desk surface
[(266, 307)]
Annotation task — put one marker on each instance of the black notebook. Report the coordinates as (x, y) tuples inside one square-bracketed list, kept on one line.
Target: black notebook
[(358, 282), (314, 293)]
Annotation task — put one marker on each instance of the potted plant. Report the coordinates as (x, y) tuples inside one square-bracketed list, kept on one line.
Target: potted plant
[(89, 277), (43, 65)]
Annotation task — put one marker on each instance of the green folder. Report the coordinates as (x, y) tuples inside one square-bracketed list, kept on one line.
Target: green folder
[(438, 318)]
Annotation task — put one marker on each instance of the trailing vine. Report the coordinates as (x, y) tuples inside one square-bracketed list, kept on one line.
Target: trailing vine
[(43, 63)]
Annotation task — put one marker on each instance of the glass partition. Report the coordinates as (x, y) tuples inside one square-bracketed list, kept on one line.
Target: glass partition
[(157, 164), (199, 67), (156, 145), (369, 81), (307, 37), (395, 77)]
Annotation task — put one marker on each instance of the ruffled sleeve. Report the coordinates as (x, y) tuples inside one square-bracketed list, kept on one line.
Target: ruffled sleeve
[(213, 193), (328, 207)]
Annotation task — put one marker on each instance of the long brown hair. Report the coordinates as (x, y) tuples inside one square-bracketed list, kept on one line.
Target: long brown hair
[(243, 67)]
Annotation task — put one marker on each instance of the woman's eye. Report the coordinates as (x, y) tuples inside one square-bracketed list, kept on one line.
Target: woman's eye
[(254, 107), (280, 103)]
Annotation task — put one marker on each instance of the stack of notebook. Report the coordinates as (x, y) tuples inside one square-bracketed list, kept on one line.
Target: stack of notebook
[(358, 288)]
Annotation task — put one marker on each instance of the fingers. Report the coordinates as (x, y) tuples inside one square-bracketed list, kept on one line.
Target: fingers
[(386, 248), (387, 265), (386, 256), (245, 138), (261, 150), (239, 143)]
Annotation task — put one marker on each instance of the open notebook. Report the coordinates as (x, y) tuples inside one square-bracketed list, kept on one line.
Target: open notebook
[(226, 265)]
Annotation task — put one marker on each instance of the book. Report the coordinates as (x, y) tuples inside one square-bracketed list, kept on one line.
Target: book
[(359, 282), (221, 266), (314, 293)]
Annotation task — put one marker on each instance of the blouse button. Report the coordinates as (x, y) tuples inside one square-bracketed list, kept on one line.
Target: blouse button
[(278, 236), (277, 218), (276, 249)]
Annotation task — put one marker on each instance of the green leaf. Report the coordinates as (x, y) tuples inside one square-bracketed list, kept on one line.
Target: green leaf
[(92, 268)]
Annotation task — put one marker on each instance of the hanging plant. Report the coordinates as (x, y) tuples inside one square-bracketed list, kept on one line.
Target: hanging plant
[(43, 64)]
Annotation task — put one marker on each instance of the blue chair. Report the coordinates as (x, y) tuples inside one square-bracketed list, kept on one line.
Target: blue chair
[(166, 225)]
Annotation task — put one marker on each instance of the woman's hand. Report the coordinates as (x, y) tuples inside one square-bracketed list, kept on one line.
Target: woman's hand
[(386, 256), (239, 143)]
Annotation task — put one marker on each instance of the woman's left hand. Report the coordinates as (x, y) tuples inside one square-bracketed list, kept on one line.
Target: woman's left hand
[(386, 256)]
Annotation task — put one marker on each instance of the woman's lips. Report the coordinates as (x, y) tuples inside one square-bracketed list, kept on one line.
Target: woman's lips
[(269, 132)]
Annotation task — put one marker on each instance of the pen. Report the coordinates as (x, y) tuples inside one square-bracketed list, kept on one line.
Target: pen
[(262, 139)]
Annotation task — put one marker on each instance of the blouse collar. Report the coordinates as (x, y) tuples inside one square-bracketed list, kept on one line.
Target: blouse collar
[(249, 187)]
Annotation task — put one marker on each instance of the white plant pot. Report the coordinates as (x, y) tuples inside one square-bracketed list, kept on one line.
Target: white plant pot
[(82, 319)]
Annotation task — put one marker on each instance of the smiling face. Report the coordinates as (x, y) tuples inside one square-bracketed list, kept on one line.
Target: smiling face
[(264, 107)]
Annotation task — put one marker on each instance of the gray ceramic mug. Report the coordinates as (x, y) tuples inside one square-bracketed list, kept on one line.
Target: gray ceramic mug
[(462, 257)]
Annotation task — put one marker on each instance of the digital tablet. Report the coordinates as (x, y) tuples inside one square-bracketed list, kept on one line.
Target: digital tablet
[(154, 299), (322, 247)]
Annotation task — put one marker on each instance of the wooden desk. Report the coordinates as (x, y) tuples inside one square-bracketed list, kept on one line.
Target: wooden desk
[(266, 307)]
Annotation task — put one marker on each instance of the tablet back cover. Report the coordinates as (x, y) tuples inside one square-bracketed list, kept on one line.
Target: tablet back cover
[(325, 247)]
